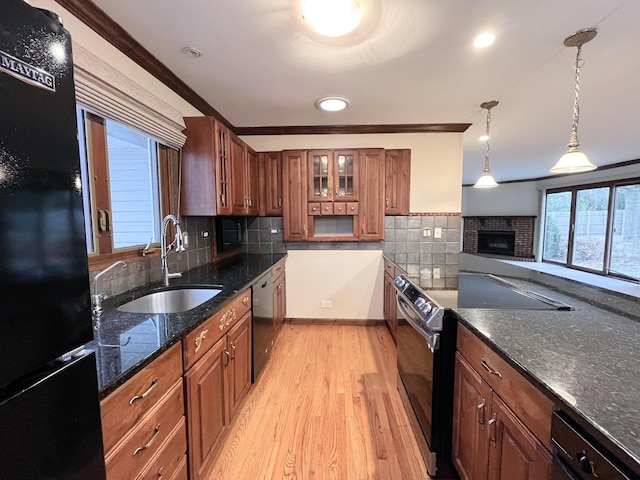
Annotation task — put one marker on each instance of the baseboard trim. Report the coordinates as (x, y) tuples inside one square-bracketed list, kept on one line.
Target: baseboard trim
[(334, 321)]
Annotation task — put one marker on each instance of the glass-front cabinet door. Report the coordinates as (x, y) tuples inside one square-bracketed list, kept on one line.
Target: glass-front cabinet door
[(320, 180), (345, 174)]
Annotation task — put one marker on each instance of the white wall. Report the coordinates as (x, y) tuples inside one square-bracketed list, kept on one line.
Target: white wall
[(518, 199), (436, 161), (97, 45), (352, 280)]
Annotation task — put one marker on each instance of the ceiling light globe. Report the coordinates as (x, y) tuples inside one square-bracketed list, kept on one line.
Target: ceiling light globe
[(486, 181), (573, 161), (483, 138), (484, 40), (332, 18)]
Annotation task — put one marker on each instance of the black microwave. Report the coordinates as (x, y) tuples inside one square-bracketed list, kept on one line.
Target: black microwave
[(229, 233)]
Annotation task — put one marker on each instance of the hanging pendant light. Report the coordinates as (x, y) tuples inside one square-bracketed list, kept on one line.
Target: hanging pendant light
[(486, 180), (574, 160)]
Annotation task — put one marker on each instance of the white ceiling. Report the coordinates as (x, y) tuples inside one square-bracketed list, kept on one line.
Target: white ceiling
[(412, 61)]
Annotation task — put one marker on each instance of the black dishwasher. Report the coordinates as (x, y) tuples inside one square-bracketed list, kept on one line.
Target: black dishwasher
[(263, 328), (577, 456)]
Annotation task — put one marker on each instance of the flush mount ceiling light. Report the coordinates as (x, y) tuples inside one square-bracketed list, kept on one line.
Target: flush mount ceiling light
[(332, 18), (574, 161), (192, 52), (486, 180), (484, 40), (332, 104)]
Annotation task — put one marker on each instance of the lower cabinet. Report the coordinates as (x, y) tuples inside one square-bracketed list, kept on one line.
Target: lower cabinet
[(215, 386), (491, 441), (279, 301), (389, 305)]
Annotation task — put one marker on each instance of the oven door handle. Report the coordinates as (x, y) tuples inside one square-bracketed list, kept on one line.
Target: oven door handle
[(432, 338)]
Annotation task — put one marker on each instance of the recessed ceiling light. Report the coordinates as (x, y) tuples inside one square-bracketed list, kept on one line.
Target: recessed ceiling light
[(484, 40), (332, 18), (332, 104), (192, 52)]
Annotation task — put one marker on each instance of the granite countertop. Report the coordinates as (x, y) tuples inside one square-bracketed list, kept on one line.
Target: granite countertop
[(127, 342), (587, 359)]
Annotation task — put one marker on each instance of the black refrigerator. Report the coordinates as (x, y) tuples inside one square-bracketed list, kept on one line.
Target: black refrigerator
[(49, 405)]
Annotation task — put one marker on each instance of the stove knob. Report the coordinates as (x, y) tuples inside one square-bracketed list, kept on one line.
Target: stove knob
[(420, 303), (399, 282), (426, 308)]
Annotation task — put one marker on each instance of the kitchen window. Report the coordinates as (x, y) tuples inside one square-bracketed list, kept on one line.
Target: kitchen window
[(121, 180), (595, 228)]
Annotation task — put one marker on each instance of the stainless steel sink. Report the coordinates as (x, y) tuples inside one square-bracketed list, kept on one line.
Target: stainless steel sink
[(170, 301)]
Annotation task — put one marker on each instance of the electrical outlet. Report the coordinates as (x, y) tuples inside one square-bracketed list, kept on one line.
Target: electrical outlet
[(185, 239), (436, 272), (437, 232), (274, 230), (325, 304), (426, 232), (205, 234)]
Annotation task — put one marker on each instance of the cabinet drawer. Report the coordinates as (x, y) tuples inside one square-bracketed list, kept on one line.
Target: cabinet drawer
[(352, 208), (172, 456), (531, 406), (326, 208), (340, 208), (389, 267), (140, 445), (278, 269), (202, 338), (314, 208), (122, 409)]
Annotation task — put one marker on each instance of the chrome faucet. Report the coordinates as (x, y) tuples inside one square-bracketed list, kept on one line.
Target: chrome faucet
[(97, 298), (164, 249)]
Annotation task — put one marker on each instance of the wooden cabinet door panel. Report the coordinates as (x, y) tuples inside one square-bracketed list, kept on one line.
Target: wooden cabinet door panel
[(320, 170), (272, 177), (397, 181), (252, 183), (471, 407), (206, 392), (514, 452), (294, 195), (345, 175), (371, 218), (223, 169), (239, 366), (238, 176)]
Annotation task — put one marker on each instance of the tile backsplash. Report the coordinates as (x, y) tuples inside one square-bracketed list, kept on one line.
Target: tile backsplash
[(144, 270), (264, 235), (423, 243)]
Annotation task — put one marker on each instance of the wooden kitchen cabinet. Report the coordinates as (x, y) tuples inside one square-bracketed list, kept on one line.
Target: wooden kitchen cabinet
[(206, 168), (270, 183), (333, 175), (218, 357), (390, 309), (501, 422), (397, 181), (244, 174), (294, 195), (279, 301), (143, 421), (371, 219)]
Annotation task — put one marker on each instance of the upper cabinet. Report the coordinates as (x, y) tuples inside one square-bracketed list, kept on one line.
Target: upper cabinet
[(372, 168), (397, 179), (219, 172), (270, 183), (294, 195), (333, 175)]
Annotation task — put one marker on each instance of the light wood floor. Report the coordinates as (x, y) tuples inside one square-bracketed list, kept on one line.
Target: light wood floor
[(325, 407)]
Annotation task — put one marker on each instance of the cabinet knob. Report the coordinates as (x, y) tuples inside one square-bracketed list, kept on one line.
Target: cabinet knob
[(313, 209), (326, 209), (352, 209), (339, 209)]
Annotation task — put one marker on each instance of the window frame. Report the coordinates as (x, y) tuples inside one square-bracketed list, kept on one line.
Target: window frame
[(96, 151), (574, 189)]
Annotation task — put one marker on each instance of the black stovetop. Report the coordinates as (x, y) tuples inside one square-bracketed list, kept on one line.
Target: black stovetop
[(484, 291)]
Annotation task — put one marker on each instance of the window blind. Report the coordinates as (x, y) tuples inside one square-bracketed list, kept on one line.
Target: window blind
[(103, 90)]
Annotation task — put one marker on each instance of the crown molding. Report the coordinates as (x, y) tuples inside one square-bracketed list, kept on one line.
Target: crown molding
[(355, 129)]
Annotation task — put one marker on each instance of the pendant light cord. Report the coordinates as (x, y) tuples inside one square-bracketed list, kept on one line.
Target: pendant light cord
[(486, 155), (573, 140)]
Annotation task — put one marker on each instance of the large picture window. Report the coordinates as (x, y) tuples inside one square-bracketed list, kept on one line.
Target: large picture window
[(595, 228)]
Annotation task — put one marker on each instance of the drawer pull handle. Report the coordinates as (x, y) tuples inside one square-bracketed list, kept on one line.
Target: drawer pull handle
[(154, 384), (233, 351), (156, 432), (492, 431), (160, 472), (489, 369), (245, 301), (481, 412), (227, 357), (199, 339), (279, 203)]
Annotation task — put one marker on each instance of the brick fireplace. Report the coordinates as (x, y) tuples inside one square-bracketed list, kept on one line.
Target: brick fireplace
[(501, 237)]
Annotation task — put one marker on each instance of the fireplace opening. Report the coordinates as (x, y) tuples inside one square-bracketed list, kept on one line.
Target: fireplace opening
[(497, 242)]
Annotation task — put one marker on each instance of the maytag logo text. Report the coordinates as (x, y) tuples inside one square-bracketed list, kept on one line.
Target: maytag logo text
[(27, 73)]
